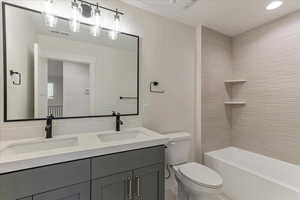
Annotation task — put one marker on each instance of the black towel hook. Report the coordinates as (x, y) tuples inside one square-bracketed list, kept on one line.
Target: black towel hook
[(12, 72), (155, 83)]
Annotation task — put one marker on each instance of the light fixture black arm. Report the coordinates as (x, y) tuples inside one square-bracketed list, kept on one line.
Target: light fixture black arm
[(105, 8)]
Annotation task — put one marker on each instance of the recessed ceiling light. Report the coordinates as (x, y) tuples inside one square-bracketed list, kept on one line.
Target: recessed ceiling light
[(273, 5)]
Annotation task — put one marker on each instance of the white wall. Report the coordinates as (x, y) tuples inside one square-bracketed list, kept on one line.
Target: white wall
[(55, 76), (113, 77), (75, 81), (167, 54), (20, 59)]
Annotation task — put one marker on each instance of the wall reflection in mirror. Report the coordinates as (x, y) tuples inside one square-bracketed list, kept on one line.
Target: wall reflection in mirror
[(64, 73)]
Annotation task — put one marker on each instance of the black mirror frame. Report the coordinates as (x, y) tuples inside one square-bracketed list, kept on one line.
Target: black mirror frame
[(4, 4)]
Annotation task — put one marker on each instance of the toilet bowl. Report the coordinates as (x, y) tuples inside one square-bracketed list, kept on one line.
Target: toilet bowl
[(195, 181)]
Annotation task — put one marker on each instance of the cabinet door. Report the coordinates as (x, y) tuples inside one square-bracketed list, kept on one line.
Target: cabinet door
[(114, 187), (149, 183), (74, 192), (25, 183)]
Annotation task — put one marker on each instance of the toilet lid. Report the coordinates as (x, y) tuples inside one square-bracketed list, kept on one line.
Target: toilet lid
[(201, 175)]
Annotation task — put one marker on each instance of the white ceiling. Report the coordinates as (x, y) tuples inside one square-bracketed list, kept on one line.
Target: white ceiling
[(230, 17)]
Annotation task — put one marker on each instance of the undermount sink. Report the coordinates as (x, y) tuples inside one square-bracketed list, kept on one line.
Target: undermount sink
[(125, 135), (39, 146)]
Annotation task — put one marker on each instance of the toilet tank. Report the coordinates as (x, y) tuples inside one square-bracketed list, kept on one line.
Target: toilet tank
[(178, 148)]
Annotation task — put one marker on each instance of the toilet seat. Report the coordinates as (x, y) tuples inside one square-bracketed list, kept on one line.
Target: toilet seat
[(201, 175)]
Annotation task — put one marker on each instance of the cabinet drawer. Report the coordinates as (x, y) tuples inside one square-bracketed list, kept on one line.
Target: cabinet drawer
[(28, 182), (124, 161)]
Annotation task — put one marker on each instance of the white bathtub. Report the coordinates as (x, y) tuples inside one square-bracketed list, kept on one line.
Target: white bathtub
[(251, 176)]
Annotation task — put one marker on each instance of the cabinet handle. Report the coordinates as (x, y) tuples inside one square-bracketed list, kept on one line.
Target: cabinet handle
[(138, 193), (129, 181)]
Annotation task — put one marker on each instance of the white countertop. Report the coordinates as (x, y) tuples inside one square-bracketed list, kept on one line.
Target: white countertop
[(87, 145)]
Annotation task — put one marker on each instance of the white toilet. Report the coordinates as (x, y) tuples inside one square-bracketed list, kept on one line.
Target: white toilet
[(195, 181)]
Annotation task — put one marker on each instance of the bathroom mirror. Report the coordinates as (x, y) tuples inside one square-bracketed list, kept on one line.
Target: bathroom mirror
[(70, 75)]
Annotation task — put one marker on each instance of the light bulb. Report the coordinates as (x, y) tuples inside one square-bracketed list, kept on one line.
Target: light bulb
[(49, 17), (273, 5), (97, 17), (74, 21), (117, 23), (96, 28), (95, 31), (114, 34)]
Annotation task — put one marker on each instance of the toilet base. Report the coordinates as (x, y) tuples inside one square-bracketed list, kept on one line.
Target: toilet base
[(204, 197), (187, 190), (182, 194)]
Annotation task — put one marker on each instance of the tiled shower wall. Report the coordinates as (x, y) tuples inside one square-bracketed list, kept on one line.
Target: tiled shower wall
[(216, 67), (268, 57)]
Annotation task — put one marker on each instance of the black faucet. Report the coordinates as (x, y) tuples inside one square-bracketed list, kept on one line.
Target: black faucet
[(118, 120), (48, 128)]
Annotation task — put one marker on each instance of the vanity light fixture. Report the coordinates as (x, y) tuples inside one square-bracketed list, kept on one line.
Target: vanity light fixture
[(49, 17), (76, 13), (96, 15), (114, 33), (274, 4)]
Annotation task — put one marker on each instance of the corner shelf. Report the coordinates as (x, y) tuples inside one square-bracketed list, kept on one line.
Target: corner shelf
[(235, 102), (235, 81), (231, 84)]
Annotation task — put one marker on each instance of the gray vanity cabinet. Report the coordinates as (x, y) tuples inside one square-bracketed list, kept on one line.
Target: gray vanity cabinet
[(141, 184), (26, 183), (114, 187), (131, 175), (149, 183), (74, 192)]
